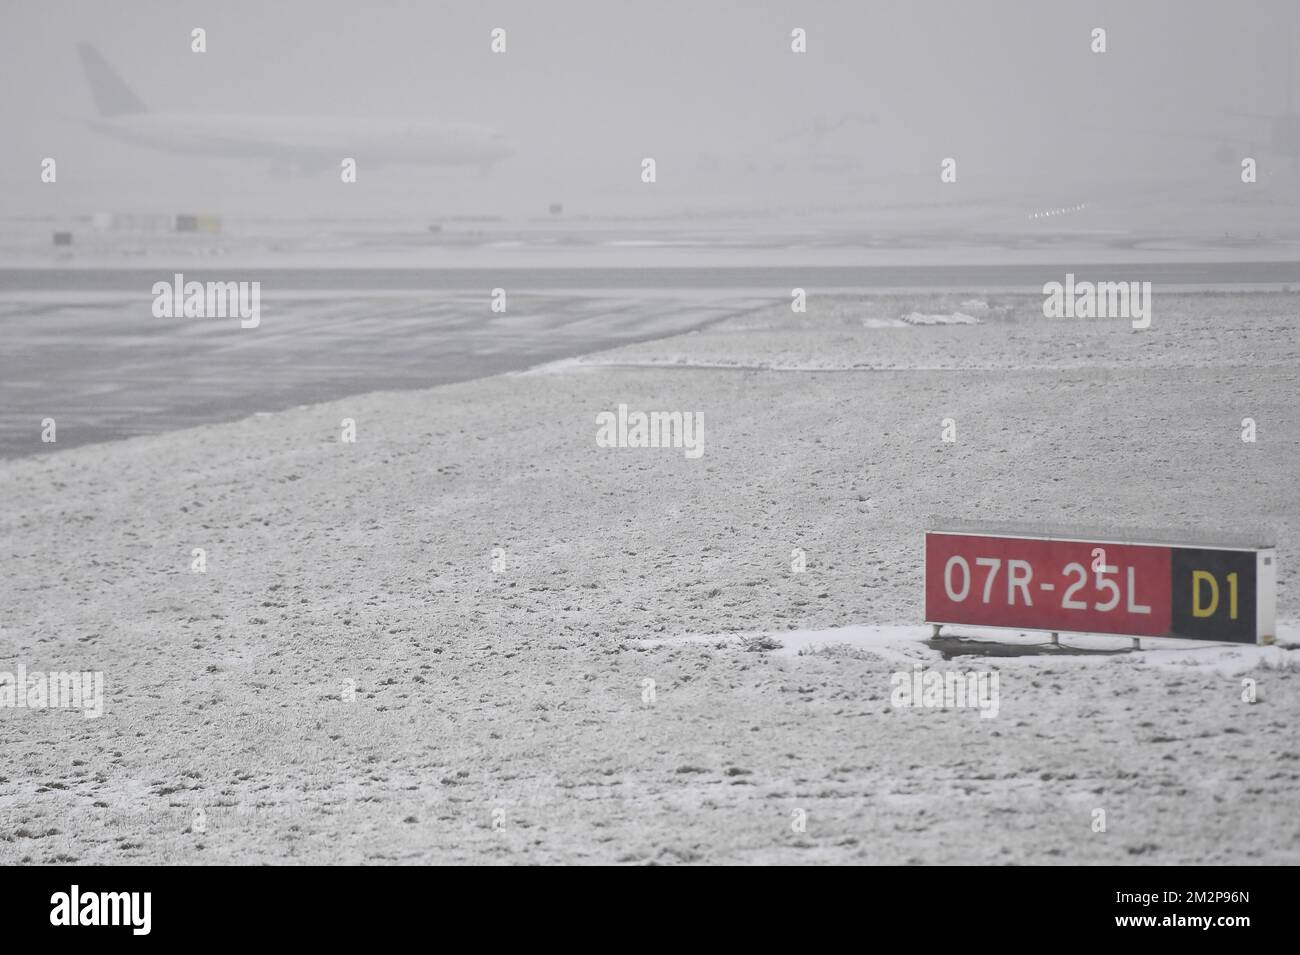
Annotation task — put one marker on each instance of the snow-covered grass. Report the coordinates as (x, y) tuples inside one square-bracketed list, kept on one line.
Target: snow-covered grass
[(629, 685), (909, 643)]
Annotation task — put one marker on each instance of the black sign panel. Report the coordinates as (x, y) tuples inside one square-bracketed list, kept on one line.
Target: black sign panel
[(1213, 594)]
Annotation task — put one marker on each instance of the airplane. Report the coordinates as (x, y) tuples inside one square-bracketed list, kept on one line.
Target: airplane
[(292, 144)]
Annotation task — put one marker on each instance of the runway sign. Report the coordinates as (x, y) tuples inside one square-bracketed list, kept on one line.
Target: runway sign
[(1064, 582)]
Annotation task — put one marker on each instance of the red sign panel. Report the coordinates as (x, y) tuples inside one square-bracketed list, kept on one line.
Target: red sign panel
[(1048, 584)]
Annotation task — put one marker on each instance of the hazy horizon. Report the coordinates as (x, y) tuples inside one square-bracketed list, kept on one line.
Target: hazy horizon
[(736, 122)]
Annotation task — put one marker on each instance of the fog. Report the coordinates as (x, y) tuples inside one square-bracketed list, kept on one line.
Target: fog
[(737, 123)]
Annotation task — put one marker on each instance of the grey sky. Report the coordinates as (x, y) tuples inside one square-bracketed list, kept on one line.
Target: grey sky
[(710, 89)]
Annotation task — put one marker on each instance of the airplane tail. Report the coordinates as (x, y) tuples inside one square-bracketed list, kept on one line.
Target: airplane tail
[(112, 96)]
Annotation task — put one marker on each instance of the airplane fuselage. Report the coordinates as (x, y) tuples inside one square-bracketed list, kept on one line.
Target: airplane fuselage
[(310, 141)]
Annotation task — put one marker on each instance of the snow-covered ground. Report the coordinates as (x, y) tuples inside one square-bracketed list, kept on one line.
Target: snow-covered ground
[(476, 635)]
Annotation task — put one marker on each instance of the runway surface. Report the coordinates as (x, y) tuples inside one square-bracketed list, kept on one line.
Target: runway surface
[(103, 367), (83, 347), (1022, 276)]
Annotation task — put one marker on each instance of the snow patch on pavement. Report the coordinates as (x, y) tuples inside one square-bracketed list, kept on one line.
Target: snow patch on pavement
[(956, 318), (912, 319)]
